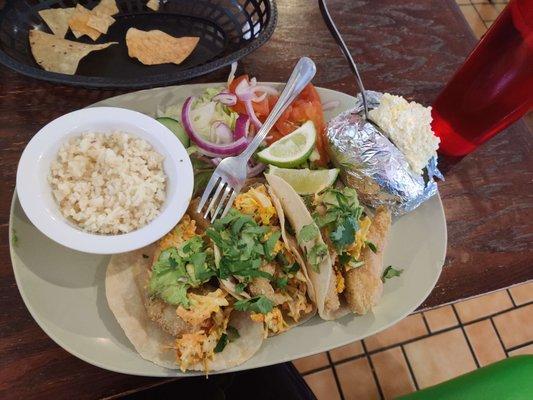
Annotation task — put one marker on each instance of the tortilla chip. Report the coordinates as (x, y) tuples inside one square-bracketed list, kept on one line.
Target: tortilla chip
[(78, 22), (106, 7), (101, 23), (153, 5), (57, 19), (56, 54), (157, 47)]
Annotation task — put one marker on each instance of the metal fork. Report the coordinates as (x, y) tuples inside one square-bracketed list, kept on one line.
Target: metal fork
[(230, 175), (340, 41)]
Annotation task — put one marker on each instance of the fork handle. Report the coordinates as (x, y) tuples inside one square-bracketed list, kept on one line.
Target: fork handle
[(303, 73), (340, 41)]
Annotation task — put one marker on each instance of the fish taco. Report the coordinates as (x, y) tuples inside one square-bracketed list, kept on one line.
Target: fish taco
[(259, 262), (343, 246), (167, 300)]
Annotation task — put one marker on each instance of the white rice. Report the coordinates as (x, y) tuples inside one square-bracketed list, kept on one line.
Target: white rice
[(108, 183)]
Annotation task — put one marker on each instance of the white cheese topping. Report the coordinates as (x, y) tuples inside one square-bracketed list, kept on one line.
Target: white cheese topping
[(408, 125)]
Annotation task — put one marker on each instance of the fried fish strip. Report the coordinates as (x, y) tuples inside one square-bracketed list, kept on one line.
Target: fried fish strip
[(363, 285)]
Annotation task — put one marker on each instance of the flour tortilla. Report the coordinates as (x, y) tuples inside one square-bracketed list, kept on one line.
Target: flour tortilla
[(157, 47), (299, 216), (57, 19), (151, 342), (55, 54)]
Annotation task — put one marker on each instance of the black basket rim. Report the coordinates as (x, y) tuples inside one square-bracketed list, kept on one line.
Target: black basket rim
[(146, 82)]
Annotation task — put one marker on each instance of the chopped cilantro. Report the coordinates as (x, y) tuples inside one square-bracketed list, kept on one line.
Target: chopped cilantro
[(348, 262), (281, 259), (292, 269), (344, 234), (271, 243), (341, 216), (307, 233), (259, 304), (354, 264), (242, 245), (239, 287), (323, 220), (233, 333), (222, 343), (282, 282), (344, 258), (371, 246), (390, 272)]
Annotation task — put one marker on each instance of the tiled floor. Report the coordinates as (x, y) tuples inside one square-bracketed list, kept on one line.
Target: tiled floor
[(480, 14), (426, 348)]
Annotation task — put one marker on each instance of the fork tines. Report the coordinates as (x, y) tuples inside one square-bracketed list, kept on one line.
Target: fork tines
[(222, 196)]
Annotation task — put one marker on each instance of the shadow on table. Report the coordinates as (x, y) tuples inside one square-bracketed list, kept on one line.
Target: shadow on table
[(276, 382)]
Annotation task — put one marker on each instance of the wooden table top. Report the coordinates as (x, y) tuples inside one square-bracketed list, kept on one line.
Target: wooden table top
[(410, 47)]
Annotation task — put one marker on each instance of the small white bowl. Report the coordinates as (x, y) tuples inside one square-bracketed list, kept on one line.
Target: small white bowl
[(35, 193)]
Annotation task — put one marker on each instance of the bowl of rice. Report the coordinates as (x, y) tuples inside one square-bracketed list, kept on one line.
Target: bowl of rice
[(104, 180)]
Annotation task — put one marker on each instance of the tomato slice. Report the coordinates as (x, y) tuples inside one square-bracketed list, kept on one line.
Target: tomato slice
[(261, 109), (307, 106)]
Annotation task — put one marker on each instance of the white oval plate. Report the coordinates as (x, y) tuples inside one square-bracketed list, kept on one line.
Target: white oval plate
[(65, 293)]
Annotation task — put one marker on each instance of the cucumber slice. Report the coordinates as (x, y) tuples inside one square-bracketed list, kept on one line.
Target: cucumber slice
[(176, 128)]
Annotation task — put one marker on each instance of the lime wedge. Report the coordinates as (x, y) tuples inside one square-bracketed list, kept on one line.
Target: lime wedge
[(293, 149), (306, 181)]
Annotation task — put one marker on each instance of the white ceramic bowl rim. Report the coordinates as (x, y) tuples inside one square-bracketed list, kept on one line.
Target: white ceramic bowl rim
[(43, 211)]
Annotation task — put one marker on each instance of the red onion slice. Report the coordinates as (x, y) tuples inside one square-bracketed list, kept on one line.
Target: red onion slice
[(265, 89), (259, 99), (242, 127), (209, 148), (228, 99), (251, 114), (243, 91), (221, 133)]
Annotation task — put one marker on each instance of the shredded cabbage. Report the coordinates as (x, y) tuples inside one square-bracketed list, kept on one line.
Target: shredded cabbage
[(204, 112)]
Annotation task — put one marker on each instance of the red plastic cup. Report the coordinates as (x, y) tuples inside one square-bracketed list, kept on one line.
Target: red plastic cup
[(493, 88)]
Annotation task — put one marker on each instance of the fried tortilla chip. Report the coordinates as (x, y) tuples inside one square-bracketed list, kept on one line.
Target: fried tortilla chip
[(157, 47), (91, 23), (56, 54), (57, 19), (100, 22), (78, 22), (153, 5), (106, 7)]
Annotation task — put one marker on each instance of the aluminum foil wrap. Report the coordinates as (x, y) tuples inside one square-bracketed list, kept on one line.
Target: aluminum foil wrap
[(373, 165)]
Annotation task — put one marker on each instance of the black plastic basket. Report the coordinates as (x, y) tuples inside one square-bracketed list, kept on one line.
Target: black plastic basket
[(228, 30)]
